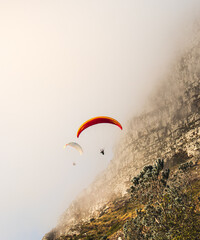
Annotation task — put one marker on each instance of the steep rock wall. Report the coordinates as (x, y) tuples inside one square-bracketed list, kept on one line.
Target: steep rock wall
[(168, 128)]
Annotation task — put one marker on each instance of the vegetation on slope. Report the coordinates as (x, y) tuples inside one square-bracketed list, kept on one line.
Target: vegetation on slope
[(161, 204), (171, 209)]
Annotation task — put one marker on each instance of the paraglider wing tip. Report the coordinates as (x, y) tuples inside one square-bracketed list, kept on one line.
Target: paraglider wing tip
[(119, 125)]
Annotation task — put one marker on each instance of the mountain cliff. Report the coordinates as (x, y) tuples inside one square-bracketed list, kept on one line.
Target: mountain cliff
[(168, 128)]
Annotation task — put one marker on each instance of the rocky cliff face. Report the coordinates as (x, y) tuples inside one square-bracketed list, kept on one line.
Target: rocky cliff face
[(168, 128)]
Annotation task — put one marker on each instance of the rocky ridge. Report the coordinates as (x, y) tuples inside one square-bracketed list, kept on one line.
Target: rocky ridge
[(168, 128)]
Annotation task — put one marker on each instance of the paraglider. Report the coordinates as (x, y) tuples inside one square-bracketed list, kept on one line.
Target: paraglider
[(102, 151), (76, 146), (97, 120)]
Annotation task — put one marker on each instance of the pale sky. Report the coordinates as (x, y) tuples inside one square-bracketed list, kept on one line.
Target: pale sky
[(61, 63)]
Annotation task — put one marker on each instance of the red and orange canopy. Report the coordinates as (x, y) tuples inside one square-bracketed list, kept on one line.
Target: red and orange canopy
[(97, 120)]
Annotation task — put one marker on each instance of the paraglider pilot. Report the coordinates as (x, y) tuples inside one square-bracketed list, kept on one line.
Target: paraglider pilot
[(102, 151)]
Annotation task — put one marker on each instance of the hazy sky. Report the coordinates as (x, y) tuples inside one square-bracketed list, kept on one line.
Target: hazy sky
[(62, 62)]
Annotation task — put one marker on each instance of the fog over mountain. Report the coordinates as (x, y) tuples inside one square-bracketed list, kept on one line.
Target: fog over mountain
[(64, 62)]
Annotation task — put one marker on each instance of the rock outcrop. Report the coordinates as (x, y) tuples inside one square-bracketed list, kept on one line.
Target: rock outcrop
[(169, 127)]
